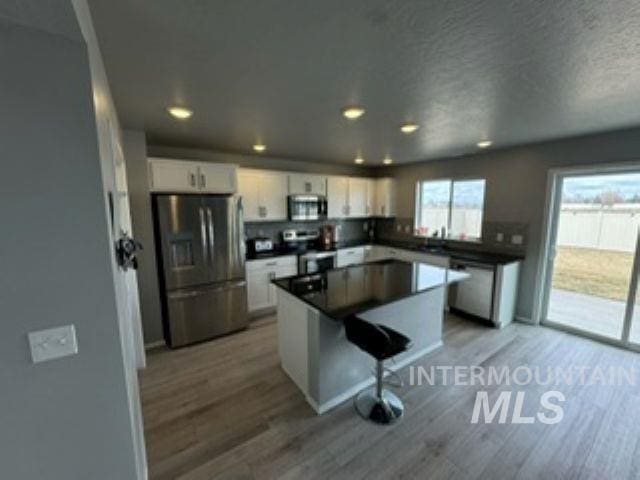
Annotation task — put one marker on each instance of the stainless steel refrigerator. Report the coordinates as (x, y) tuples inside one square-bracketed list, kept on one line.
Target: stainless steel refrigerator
[(201, 253)]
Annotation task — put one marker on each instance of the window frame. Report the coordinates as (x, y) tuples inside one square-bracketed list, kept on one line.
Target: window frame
[(417, 212)]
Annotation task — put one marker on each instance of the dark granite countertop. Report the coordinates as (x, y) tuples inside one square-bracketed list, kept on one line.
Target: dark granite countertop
[(341, 292), (455, 253)]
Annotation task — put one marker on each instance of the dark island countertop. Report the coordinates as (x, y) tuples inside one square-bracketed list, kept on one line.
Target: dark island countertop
[(341, 292)]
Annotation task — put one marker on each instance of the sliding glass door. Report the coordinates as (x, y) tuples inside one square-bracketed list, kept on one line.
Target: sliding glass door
[(592, 267)]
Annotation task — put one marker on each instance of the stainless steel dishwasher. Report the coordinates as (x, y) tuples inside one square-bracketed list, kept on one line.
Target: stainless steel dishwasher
[(474, 295)]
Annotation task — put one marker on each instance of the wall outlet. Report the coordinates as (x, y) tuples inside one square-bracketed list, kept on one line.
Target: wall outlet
[(398, 228), (407, 229), (500, 237), (53, 343), (516, 239)]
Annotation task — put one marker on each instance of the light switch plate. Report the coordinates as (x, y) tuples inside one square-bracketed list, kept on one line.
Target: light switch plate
[(53, 343), (516, 239), (500, 237)]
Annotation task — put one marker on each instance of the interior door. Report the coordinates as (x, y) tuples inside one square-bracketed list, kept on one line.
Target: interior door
[(182, 222)]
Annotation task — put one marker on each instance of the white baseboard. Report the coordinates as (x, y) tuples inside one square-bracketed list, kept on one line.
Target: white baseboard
[(346, 395), (159, 343)]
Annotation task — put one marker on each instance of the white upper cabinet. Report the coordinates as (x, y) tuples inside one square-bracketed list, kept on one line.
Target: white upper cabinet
[(337, 197), (357, 203), (173, 176), (302, 183), (218, 178), (371, 196), (182, 176), (264, 194), (385, 197), (352, 197)]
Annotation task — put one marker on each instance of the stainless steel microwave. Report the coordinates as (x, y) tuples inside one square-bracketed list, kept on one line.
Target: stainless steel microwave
[(307, 207)]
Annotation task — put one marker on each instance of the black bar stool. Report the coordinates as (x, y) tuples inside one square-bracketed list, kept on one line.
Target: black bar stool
[(375, 403)]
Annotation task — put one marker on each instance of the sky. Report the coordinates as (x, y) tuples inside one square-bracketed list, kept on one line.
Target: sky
[(627, 185)]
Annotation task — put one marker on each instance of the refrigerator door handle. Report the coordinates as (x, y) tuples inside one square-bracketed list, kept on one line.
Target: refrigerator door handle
[(203, 234), (212, 239)]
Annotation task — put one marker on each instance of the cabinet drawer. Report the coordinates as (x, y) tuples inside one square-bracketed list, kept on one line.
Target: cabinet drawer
[(290, 261), (350, 256)]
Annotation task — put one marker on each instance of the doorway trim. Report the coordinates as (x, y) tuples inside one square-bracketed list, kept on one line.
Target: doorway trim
[(549, 235)]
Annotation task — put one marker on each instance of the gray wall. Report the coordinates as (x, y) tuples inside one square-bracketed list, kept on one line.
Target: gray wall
[(67, 418), (516, 188), (135, 152)]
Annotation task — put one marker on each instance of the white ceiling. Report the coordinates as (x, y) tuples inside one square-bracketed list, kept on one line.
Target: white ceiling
[(514, 71)]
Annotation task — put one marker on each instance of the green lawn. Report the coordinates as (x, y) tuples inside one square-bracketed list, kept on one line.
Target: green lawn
[(602, 273)]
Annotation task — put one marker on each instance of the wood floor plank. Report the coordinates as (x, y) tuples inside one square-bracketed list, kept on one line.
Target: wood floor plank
[(226, 410)]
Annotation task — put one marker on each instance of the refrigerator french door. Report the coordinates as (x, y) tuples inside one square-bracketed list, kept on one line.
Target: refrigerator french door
[(201, 254)]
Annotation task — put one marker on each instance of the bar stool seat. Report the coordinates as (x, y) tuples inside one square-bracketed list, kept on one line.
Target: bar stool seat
[(381, 342)]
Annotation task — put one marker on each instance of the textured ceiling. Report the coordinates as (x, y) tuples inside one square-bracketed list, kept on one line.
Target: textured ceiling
[(280, 71)]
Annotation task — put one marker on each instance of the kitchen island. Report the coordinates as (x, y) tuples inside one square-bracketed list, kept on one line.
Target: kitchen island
[(313, 348)]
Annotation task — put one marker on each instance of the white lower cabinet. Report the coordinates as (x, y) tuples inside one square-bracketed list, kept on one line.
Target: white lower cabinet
[(350, 256), (261, 294)]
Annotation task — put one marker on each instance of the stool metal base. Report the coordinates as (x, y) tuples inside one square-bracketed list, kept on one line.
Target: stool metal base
[(385, 410)]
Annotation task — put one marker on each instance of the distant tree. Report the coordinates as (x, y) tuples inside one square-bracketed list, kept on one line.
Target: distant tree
[(610, 197)]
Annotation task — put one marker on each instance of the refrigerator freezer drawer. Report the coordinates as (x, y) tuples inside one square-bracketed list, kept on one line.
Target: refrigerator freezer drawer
[(198, 314)]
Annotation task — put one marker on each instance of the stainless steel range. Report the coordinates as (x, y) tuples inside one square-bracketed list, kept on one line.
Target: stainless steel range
[(310, 258)]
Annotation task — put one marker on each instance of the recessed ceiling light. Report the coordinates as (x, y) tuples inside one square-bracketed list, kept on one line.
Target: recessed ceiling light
[(352, 112), (387, 161), (484, 143), (409, 127), (359, 160), (180, 113), (259, 147)]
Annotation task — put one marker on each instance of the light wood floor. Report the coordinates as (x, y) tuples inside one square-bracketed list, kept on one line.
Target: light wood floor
[(225, 410)]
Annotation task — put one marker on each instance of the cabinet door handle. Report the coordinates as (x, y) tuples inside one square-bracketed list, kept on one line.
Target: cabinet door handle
[(382, 209), (307, 187), (192, 179), (203, 180), (271, 264)]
